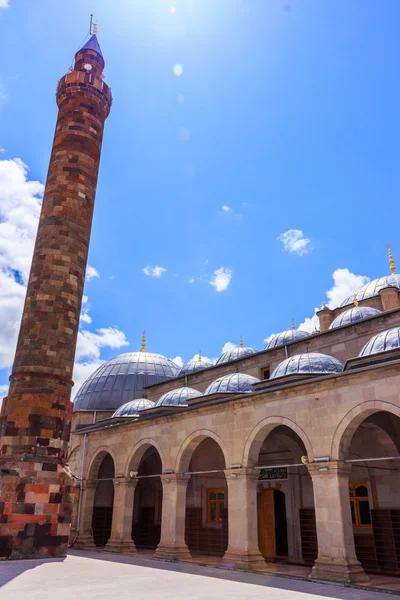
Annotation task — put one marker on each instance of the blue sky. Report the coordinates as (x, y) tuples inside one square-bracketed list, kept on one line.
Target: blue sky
[(286, 114)]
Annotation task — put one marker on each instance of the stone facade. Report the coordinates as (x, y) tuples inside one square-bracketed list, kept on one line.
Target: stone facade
[(320, 415), (35, 493)]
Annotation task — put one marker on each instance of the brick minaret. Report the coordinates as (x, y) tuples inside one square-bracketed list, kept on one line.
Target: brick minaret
[(35, 493)]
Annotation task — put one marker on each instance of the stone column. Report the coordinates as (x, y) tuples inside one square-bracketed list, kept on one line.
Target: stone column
[(337, 559), (243, 551), (121, 531), (85, 516), (172, 544)]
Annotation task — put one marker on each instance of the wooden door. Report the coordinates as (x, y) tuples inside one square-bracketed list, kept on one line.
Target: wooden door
[(266, 524)]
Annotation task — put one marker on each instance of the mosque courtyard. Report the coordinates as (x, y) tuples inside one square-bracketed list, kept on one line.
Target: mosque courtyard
[(96, 575)]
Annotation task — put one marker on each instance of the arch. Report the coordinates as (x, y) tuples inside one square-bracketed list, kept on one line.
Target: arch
[(136, 455), (351, 421), (96, 461), (190, 444), (259, 433)]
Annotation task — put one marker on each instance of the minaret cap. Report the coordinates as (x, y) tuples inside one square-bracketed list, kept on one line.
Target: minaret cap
[(93, 44)]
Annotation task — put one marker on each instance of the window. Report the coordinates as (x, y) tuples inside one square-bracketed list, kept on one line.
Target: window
[(265, 373), (359, 504), (215, 504)]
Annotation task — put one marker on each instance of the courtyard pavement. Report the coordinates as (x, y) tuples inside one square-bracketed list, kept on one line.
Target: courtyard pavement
[(97, 576)]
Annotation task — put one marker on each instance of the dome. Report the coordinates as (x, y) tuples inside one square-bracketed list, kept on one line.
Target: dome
[(197, 363), (236, 353), (382, 342), (352, 315), (235, 383), (123, 379), (312, 363), (133, 408), (178, 397), (372, 288), (285, 337)]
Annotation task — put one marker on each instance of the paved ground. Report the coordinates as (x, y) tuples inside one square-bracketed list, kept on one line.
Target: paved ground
[(95, 576)]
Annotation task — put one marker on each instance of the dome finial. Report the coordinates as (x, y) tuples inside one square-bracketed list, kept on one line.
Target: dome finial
[(293, 325), (356, 303), (143, 348), (200, 358), (391, 259), (241, 342)]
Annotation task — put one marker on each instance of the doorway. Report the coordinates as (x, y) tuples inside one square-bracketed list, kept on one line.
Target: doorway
[(273, 541)]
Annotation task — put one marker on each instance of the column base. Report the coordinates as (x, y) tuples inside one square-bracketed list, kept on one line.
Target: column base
[(340, 573), (85, 541), (251, 561), (121, 547), (173, 554)]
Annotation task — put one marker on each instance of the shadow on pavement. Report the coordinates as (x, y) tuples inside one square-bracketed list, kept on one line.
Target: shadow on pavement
[(279, 582)]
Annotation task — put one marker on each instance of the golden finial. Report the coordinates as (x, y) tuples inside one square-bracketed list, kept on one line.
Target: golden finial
[(391, 259), (293, 325), (143, 348), (95, 29), (241, 342), (356, 302), (200, 357)]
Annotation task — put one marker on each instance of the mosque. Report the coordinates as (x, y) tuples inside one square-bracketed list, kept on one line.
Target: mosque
[(285, 455), (289, 454)]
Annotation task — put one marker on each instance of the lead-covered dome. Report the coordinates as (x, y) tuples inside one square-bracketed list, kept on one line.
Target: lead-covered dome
[(235, 383), (286, 337), (236, 353), (352, 315), (122, 379), (310, 363), (178, 397), (382, 342), (133, 408), (372, 288), (197, 363)]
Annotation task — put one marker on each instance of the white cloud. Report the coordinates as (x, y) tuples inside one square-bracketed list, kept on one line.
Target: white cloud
[(20, 201), (227, 347), (91, 273), (178, 361), (294, 241), (267, 339), (345, 284), (90, 344), (4, 4), (222, 279), (226, 208), (154, 271), (2, 149), (178, 70)]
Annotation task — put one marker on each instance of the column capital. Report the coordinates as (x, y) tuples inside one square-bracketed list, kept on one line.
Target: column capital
[(242, 473), (179, 479), (331, 468), (126, 481)]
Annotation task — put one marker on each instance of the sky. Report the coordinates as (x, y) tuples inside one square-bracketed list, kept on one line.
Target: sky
[(249, 172)]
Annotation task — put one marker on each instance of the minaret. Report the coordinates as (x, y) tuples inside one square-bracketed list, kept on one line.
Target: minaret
[(35, 492)]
